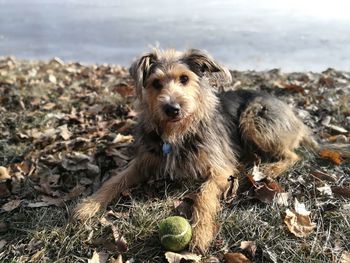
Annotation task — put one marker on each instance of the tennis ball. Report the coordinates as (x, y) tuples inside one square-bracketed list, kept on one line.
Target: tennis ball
[(175, 233)]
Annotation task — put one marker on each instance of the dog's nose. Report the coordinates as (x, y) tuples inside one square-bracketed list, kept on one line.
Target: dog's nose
[(172, 110)]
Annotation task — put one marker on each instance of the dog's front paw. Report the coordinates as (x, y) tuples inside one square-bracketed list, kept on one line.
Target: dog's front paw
[(86, 209), (201, 239)]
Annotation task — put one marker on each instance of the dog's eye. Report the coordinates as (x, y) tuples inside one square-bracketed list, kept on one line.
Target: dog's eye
[(157, 84), (183, 79)]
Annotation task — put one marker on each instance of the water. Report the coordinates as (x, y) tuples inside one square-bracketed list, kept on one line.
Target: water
[(251, 34)]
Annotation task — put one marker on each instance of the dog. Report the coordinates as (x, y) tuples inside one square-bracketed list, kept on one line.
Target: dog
[(187, 129)]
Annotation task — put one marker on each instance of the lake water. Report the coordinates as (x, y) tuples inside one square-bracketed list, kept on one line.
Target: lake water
[(251, 34)]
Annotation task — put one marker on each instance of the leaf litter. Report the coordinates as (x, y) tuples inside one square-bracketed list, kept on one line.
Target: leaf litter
[(66, 126)]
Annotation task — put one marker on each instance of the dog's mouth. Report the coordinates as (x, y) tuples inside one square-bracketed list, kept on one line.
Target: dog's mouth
[(176, 119)]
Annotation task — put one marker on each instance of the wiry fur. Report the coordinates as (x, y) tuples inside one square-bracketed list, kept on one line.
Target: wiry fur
[(213, 131)]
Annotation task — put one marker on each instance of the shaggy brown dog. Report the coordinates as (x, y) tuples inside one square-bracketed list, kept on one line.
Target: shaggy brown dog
[(188, 130)]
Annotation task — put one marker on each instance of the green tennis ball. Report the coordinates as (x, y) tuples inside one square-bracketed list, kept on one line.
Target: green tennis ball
[(175, 233)]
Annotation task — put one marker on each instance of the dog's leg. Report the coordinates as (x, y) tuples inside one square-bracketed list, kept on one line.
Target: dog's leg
[(206, 207), (288, 159), (108, 191)]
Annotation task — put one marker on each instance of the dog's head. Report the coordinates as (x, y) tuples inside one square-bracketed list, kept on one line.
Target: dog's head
[(173, 87)]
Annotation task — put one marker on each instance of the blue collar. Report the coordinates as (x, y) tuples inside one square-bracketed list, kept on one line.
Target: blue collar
[(167, 148)]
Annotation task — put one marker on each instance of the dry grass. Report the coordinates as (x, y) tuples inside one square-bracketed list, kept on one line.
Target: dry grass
[(46, 234)]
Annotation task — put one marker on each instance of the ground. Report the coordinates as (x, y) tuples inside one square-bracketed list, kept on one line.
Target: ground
[(65, 127)]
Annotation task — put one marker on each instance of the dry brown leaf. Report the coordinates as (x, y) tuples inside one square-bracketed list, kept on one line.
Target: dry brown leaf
[(64, 132), (282, 199), (345, 257), (294, 88), (13, 204), (325, 190), (236, 258), (79, 161), (119, 239), (333, 156), (123, 138), (38, 204), (211, 259), (298, 220), (323, 176), (341, 191), (250, 247), (124, 90), (98, 257), (173, 257), (52, 201), (265, 194), (257, 174), (52, 79), (75, 192), (267, 191), (184, 207), (49, 106), (337, 128), (4, 174)]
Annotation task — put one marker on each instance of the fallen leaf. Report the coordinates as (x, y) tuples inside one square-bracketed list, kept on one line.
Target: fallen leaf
[(75, 192), (52, 201), (78, 161), (337, 128), (173, 257), (270, 255), (340, 138), (333, 156), (52, 79), (264, 194), (64, 132), (119, 239), (282, 199), (9, 206), (4, 174), (294, 88), (345, 257), (98, 257), (250, 247), (266, 191), (184, 207), (49, 106), (123, 138), (38, 204), (236, 258), (257, 174), (125, 90), (298, 220), (211, 259), (341, 191), (323, 176), (325, 190)]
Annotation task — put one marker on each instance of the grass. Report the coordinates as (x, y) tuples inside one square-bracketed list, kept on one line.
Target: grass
[(50, 231), (47, 234)]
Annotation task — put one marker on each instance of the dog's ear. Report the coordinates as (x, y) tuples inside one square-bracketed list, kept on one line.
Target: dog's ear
[(140, 71), (203, 64)]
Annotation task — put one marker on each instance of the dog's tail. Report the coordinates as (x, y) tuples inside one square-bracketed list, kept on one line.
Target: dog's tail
[(311, 143)]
